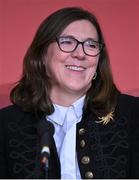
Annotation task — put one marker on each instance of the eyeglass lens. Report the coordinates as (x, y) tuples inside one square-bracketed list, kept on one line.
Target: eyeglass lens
[(69, 44)]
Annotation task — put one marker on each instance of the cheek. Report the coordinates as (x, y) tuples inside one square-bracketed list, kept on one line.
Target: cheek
[(93, 63), (50, 61), (51, 56), (54, 61), (54, 56)]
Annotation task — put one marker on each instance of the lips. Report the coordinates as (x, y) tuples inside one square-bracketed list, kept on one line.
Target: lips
[(75, 68)]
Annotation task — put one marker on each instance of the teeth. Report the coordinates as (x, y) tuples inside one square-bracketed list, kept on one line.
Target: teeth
[(75, 68)]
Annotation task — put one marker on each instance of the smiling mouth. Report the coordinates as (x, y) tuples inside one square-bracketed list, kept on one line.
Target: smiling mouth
[(75, 68)]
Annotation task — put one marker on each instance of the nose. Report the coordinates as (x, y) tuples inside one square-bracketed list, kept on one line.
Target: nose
[(78, 52)]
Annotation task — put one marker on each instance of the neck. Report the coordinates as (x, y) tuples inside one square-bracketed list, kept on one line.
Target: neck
[(64, 98)]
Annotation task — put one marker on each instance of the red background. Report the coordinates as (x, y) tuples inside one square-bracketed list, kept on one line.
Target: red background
[(119, 20)]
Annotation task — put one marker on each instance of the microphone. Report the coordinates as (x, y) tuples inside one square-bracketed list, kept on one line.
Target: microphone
[(45, 130)]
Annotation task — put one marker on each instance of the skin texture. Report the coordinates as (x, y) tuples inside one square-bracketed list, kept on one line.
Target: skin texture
[(69, 84)]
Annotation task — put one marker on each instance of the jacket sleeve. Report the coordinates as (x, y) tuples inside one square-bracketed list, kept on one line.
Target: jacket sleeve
[(3, 151), (135, 140)]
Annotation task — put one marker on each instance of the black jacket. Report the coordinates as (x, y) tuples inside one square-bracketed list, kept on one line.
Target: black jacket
[(103, 151)]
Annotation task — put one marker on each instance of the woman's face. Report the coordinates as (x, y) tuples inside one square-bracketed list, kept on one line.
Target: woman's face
[(72, 72)]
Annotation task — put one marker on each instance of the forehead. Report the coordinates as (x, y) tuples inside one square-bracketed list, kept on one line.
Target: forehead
[(81, 29)]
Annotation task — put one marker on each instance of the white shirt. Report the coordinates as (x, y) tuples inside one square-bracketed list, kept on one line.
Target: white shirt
[(64, 120)]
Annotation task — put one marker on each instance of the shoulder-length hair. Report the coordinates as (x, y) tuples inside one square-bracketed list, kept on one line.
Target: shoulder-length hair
[(32, 90)]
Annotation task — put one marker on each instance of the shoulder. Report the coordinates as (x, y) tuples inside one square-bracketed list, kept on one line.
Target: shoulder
[(128, 102), (10, 114), (15, 114), (14, 119), (127, 98), (128, 108), (11, 111)]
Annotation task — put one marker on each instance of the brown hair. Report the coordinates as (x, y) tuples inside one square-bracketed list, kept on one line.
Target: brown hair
[(32, 91)]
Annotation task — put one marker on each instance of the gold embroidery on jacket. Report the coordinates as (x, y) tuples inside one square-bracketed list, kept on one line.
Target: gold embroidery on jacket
[(106, 119)]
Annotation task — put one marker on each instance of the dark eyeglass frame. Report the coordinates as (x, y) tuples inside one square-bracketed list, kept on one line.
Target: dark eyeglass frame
[(101, 45)]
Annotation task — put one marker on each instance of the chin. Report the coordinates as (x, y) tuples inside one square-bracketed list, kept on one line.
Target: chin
[(78, 90)]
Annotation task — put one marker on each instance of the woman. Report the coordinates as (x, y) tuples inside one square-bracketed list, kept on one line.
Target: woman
[(68, 119)]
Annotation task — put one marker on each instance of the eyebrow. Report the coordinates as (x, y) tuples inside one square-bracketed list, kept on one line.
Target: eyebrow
[(71, 36)]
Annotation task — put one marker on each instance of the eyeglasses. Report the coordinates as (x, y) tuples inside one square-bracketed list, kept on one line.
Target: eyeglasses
[(69, 44)]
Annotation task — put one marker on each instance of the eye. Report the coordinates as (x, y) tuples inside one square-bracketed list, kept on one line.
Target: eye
[(91, 44), (65, 40)]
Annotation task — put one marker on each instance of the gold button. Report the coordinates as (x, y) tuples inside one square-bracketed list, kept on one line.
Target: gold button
[(89, 175), (81, 131), (82, 143), (85, 160)]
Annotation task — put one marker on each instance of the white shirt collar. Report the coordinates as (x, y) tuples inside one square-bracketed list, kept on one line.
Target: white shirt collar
[(60, 111)]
